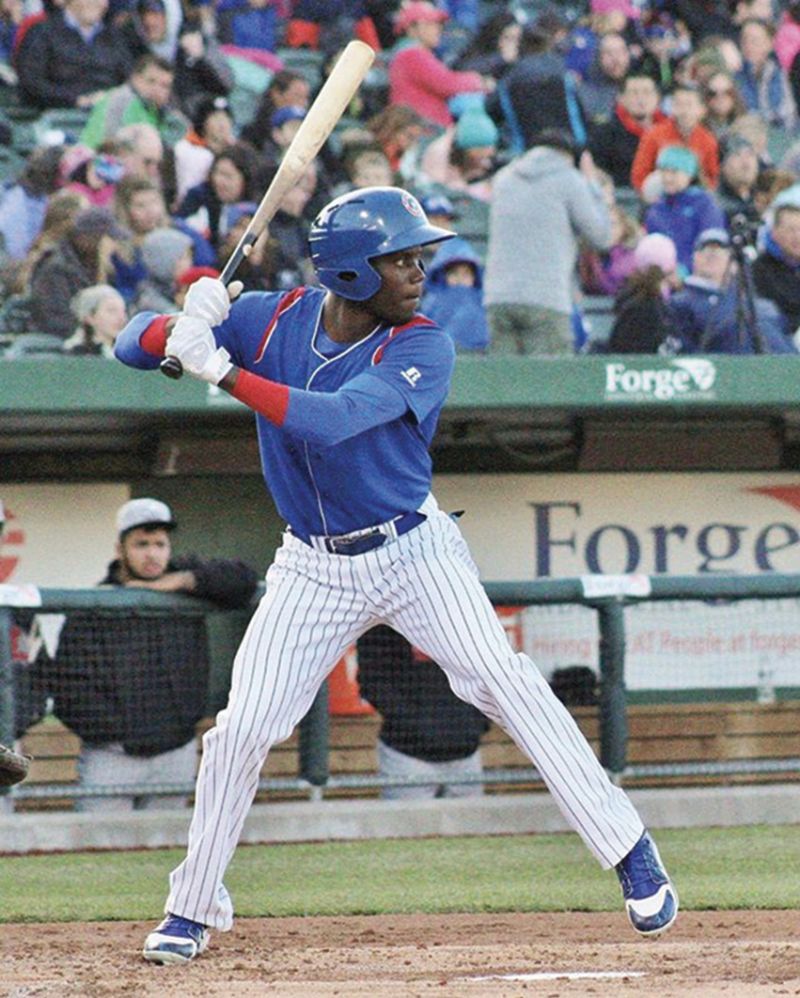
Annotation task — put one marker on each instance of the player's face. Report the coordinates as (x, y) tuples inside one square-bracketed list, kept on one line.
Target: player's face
[(145, 553), (402, 276)]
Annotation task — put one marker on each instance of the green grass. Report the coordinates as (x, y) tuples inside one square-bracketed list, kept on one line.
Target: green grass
[(749, 867)]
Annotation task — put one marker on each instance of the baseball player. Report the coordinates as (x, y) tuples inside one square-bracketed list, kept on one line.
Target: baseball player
[(347, 382)]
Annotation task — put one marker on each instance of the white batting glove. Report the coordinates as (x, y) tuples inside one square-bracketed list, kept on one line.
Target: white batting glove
[(209, 299), (193, 343)]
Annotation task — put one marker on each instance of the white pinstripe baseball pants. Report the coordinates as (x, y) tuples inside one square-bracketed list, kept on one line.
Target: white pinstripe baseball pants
[(425, 585)]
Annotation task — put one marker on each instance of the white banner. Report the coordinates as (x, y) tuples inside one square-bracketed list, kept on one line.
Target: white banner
[(529, 526)]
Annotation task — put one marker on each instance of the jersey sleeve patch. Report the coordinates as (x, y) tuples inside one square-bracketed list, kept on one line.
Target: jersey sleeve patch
[(288, 301)]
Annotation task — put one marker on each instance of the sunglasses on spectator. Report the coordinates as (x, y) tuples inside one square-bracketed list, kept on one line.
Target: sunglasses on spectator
[(727, 92)]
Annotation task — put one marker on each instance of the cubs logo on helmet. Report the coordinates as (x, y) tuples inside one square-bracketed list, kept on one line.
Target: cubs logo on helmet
[(361, 225)]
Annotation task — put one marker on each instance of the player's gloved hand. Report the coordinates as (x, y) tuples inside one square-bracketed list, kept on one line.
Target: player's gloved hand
[(192, 342), (209, 299)]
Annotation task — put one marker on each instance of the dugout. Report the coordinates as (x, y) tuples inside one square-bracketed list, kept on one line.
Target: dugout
[(79, 435)]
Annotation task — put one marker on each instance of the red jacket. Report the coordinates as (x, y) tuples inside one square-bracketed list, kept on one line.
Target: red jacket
[(420, 80), (701, 142)]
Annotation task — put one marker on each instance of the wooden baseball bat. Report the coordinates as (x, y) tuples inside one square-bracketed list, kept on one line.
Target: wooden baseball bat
[(320, 120)]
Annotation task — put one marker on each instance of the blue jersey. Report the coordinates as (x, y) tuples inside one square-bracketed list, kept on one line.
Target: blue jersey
[(353, 450)]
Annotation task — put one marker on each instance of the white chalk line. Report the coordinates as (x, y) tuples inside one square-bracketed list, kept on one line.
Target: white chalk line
[(576, 975)]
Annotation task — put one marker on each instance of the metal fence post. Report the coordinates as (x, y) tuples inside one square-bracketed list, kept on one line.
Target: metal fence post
[(613, 708), (313, 739), (6, 682)]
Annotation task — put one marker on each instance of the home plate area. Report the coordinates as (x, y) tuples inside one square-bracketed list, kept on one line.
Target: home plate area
[(743, 954)]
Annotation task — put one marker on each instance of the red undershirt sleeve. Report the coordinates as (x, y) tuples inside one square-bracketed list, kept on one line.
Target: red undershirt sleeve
[(270, 398), (154, 338)]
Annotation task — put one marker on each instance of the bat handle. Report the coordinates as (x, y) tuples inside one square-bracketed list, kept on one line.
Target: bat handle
[(171, 366)]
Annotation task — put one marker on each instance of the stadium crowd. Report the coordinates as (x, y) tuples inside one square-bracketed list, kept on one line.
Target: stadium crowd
[(624, 175)]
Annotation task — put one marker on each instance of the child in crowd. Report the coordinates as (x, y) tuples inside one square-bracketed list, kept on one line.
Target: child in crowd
[(166, 254), (100, 311), (453, 295), (684, 210)]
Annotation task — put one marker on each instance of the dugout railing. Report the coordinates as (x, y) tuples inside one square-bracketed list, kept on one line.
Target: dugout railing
[(608, 597)]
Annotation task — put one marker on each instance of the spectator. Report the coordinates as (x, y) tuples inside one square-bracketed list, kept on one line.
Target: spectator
[(463, 157), (201, 69), (135, 688), (764, 86), (100, 311), (440, 211), (540, 69), (540, 199), (494, 47), (153, 26), (613, 144), (367, 167), (249, 24), (426, 730), (71, 57), (141, 151), (77, 261), (605, 17), (234, 176), (599, 90), (11, 15), (642, 322), (287, 259), (287, 88), (681, 128), (769, 184), (23, 204), (684, 210), (417, 77), (212, 131), (664, 45), (329, 26), (397, 130), (751, 126), (143, 99), (703, 18), (776, 271), (255, 271), (603, 272), (706, 313), (454, 295), (724, 103), (95, 174), (166, 254), (62, 209), (787, 46), (283, 126), (739, 173)]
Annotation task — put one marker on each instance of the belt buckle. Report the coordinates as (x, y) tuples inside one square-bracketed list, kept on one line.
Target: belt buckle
[(339, 545)]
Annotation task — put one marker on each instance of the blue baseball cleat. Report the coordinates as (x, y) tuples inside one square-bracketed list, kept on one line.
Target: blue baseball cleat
[(650, 899), (176, 940)]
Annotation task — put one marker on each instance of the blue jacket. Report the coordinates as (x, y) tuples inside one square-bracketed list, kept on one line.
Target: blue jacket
[(705, 321), (683, 217), (458, 310)]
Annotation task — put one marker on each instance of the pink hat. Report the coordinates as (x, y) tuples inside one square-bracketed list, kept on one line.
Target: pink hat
[(414, 11), (656, 250), (610, 6)]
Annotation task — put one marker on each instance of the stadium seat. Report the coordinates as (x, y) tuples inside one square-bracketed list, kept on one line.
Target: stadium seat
[(309, 62), (15, 315), (31, 345), (68, 121)]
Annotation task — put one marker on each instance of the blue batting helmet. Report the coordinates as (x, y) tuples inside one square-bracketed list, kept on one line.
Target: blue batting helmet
[(361, 225)]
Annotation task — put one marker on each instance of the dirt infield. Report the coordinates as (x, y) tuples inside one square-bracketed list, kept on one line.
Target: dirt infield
[(729, 954)]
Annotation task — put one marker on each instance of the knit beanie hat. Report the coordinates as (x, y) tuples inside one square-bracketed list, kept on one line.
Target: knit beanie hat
[(656, 250), (161, 250), (474, 130), (677, 158)]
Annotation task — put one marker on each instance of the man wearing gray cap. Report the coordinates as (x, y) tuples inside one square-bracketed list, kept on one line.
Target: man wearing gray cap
[(134, 687)]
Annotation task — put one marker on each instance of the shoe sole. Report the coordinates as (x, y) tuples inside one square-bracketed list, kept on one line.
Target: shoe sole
[(156, 956), (655, 933)]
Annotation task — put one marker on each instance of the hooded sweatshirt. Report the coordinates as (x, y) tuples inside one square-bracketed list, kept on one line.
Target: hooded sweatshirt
[(458, 310), (540, 209)]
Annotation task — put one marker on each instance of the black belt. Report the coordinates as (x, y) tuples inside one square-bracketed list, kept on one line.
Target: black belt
[(364, 540)]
